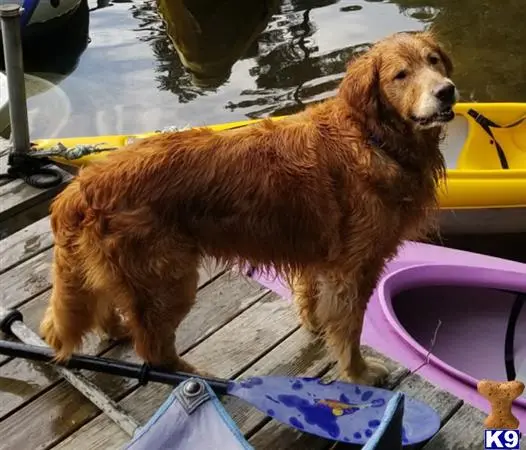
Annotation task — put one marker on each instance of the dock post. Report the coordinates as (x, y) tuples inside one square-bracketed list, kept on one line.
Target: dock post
[(14, 66)]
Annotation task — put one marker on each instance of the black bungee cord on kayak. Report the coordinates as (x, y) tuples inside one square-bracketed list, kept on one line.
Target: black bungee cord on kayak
[(509, 340), (487, 125)]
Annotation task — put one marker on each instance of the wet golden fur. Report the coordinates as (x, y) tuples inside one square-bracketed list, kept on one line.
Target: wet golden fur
[(325, 197)]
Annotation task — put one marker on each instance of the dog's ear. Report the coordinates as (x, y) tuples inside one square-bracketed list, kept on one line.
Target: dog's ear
[(360, 86)]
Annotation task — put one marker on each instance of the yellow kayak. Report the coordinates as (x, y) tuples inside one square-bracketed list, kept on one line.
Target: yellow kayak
[(484, 147)]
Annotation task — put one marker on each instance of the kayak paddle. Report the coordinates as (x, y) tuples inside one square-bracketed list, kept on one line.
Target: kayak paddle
[(334, 410)]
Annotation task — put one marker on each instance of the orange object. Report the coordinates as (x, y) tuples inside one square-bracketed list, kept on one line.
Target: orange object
[(500, 396)]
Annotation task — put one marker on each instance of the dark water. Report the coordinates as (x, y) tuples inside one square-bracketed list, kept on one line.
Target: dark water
[(276, 57), (253, 58)]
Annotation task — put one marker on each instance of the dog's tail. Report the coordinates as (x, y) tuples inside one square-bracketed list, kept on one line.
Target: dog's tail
[(69, 214), (70, 311)]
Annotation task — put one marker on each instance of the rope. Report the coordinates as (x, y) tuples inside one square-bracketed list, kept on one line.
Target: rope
[(30, 166), (173, 129), (72, 153), (80, 150), (32, 171), (431, 348)]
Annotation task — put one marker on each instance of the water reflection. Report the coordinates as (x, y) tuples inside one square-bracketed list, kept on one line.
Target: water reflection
[(486, 39), (47, 61), (306, 61), (215, 61), (289, 70), (210, 37), (61, 48), (170, 73)]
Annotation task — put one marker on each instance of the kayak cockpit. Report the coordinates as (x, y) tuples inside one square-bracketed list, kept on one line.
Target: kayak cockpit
[(470, 321)]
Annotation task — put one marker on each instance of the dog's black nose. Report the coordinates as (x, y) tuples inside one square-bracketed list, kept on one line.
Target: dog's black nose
[(446, 93)]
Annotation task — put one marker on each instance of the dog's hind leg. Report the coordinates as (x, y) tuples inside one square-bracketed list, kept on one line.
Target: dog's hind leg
[(70, 312), (305, 289), (155, 315)]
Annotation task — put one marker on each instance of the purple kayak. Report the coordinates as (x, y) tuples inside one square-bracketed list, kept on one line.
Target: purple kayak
[(472, 302)]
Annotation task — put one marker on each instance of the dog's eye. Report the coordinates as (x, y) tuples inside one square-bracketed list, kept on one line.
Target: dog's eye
[(401, 75), (433, 59)]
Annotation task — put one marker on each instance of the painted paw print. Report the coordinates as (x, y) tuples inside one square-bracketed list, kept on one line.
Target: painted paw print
[(372, 426), (297, 385), (251, 382)]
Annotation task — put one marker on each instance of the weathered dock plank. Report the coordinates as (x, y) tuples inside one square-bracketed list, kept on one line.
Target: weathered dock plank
[(20, 203), (28, 428), (242, 341), (21, 246), (17, 196), (464, 431), (17, 394), (443, 402), (265, 324), (26, 281)]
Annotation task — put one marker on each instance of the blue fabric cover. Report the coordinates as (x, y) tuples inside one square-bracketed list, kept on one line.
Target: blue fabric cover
[(201, 422), (190, 423)]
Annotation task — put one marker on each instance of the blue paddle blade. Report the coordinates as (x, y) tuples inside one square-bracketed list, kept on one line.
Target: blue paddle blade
[(334, 410)]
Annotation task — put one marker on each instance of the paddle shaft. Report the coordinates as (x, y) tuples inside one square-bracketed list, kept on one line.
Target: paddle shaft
[(143, 373), (221, 387)]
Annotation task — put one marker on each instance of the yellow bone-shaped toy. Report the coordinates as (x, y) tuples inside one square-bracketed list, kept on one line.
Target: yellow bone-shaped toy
[(500, 396)]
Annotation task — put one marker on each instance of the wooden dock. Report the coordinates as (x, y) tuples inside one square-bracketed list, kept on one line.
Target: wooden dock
[(237, 328)]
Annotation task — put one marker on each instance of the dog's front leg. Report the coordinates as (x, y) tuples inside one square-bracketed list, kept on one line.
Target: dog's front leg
[(340, 312)]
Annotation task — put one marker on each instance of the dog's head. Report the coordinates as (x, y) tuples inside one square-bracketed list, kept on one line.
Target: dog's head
[(406, 72)]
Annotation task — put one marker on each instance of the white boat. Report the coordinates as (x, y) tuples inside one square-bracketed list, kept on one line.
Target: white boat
[(39, 15)]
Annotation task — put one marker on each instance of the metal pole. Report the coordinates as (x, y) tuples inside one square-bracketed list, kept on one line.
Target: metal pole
[(14, 67)]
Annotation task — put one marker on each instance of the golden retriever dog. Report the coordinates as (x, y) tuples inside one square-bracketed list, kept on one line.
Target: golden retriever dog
[(324, 197)]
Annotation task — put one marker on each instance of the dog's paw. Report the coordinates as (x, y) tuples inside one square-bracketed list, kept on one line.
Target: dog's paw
[(52, 338), (374, 373), (48, 332)]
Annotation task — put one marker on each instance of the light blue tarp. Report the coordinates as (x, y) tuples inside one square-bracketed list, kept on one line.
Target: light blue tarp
[(193, 418)]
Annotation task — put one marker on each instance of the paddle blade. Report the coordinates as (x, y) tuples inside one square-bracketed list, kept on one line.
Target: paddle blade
[(336, 410)]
